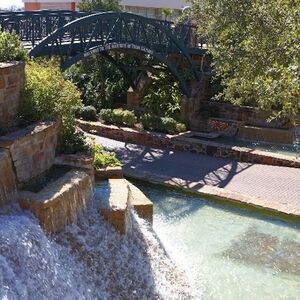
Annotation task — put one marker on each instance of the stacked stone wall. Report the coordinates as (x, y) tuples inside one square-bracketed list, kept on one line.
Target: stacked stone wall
[(32, 149), (11, 85)]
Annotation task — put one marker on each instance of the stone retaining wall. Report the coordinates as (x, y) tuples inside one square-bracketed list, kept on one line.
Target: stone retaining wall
[(32, 149), (183, 142), (11, 84), (8, 186)]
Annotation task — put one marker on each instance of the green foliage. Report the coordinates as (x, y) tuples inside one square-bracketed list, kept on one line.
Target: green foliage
[(104, 159), (162, 124), (88, 113), (71, 142), (11, 47), (255, 46), (118, 117), (47, 95), (100, 85), (99, 5), (163, 97), (167, 12)]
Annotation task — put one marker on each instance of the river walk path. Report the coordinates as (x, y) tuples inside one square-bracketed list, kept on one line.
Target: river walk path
[(272, 187)]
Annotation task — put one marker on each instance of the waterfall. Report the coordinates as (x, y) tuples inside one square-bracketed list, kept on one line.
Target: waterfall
[(89, 260), (8, 186)]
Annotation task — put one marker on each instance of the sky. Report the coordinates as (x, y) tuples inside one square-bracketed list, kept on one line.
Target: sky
[(9, 3)]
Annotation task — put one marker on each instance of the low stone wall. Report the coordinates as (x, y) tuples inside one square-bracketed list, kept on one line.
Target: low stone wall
[(11, 84), (8, 186), (196, 109), (59, 203), (32, 149), (184, 142)]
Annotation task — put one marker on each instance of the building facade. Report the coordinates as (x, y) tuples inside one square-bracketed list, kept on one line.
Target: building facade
[(149, 8)]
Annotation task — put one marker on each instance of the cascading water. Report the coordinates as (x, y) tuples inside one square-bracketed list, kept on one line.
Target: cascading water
[(89, 260)]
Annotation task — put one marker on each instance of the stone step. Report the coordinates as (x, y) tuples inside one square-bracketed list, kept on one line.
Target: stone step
[(122, 196)]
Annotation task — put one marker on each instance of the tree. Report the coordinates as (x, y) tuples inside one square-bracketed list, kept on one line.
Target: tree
[(255, 46), (167, 12), (99, 5)]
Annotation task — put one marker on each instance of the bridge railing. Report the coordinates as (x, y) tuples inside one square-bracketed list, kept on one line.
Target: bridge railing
[(32, 26)]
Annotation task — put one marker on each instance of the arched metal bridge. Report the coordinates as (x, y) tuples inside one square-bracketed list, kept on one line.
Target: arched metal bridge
[(75, 35)]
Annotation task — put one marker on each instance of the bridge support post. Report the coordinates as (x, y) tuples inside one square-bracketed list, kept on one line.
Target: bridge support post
[(192, 107)]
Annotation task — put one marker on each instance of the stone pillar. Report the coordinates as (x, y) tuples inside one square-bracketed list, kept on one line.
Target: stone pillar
[(134, 96), (11, 85), (133, 99), (191, 107)]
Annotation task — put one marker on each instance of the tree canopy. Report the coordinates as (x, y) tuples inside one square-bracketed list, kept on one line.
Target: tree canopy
[(99, 5), (255, 46)]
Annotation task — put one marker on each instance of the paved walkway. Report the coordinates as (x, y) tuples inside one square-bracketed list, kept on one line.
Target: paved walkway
[(278, 186)]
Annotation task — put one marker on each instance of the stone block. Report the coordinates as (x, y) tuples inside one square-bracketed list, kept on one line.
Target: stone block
[(75, 160), (59, 203), (123, 196), (31, 156)]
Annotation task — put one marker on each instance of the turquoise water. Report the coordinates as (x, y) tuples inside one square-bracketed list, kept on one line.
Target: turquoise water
[(227, 253)]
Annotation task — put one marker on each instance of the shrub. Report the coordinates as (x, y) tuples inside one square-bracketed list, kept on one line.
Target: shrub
[(47, 95), (151, 122), (11, 47), (104, 159), (163, 97), (106, 115), (162, 124), (87, 113), (73, 142), (180, 127), (118, 117)]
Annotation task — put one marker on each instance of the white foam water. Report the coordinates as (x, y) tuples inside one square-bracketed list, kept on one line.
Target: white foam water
[(89, 260)]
